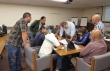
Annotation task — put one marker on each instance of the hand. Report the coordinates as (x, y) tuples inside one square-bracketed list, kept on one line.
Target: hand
[(27, 44), (60, 47), (73, 41)]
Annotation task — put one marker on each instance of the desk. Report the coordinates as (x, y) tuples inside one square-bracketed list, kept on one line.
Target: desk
[(2, 43), (64, 52)]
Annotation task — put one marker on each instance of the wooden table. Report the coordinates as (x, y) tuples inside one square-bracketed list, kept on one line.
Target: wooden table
[(64, 52), (2, 43)]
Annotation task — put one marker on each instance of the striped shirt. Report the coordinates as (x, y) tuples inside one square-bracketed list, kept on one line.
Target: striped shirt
[(99, 26)]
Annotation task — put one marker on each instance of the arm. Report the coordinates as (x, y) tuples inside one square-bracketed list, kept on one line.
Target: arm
[(24, 29), (86, 49), (84, 39), (72, 30), (32, 26), (61, 32)]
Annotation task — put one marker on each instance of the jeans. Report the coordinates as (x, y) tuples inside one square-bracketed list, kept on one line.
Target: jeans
[(14, 57), (59, 60)]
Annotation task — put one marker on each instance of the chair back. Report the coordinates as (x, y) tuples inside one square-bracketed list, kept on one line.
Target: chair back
[(101, 62), (29, 57)]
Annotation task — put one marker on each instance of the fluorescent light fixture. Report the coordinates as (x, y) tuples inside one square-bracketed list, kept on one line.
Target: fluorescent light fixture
[(61, 0)]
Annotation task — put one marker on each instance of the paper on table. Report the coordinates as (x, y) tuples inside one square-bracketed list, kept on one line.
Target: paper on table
[(76, 46), (63, 41), (57, 49)]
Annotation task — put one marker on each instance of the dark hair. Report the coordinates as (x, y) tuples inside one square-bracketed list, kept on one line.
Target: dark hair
[(26, 14), (54, 31), (82, 30), (42, 17), (63, 23)]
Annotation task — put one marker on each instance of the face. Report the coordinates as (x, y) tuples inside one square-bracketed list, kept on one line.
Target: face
[(56, 35), (65, 26), (80, 33), (43, 20), (45, 30), (94, 20), (28, 19)]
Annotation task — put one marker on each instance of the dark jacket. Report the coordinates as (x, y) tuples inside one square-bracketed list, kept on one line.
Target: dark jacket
[(35, 26), (84, 40), (39, 38)]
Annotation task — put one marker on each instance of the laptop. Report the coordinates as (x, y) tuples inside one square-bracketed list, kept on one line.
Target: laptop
[(70, 46)]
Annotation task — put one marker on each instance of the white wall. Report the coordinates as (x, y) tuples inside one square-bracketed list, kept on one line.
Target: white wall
[(10, 13), (89, 12)]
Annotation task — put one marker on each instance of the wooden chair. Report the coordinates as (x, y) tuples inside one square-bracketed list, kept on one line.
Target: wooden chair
[(99, 63), (37, 64)]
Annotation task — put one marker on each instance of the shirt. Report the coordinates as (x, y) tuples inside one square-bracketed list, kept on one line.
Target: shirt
[(99, 26), (84, 40), (70, 31), (92, 49), (39, 38), (49, 42), (15, 36)]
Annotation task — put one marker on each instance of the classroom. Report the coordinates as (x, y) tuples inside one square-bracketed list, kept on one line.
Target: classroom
[(54, 35)]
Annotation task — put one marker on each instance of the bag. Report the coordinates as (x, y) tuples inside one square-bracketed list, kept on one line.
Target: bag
[(70, 46)]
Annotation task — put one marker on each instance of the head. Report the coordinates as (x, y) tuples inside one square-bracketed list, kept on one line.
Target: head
[(82, 31), (95, 18), (64, 25), (42, 19), (96, 34), (27, 17), (44, 28), (55, 32)]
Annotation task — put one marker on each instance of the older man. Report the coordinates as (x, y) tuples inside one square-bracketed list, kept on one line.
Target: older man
[(68, 28), (98, 23), (95, 47)]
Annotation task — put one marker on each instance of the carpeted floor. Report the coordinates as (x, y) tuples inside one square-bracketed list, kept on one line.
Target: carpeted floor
[(4, 62)]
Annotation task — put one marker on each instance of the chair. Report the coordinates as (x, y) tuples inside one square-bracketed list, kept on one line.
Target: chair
[(37, 64), (99, 63)]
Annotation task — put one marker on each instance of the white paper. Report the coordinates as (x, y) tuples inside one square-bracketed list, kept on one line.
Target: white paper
[(63, 41), (57, 49), (76, 46)]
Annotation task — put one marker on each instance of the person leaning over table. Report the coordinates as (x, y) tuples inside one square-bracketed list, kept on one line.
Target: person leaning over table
[(16, 37), (96, 47), (36, 25), (68, 28), (83, 37), (48, 45)]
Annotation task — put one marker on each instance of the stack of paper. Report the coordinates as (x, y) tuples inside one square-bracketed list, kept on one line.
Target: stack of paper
[(76, 46)]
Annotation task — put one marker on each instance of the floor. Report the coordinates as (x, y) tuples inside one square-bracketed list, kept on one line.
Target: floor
[(4, 62)]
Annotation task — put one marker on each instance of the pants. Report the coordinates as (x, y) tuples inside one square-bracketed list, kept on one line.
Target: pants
[(14, 57), (59, 60)]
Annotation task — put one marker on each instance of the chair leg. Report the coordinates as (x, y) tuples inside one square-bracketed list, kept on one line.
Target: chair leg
[(26, 67)]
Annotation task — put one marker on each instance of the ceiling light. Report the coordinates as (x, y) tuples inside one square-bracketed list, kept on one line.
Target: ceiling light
[(61, 0)]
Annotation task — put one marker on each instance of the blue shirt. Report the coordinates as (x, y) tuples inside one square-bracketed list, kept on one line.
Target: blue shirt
[(84, 40), (39, 38), (100, 26), (70, 31)]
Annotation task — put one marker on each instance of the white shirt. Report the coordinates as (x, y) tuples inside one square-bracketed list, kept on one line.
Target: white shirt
[(70, 31), (48, 46)]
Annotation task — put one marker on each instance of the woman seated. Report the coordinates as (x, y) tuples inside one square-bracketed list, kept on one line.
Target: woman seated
[(83, 37)]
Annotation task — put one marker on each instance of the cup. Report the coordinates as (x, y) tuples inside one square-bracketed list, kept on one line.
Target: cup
[(65, 47)]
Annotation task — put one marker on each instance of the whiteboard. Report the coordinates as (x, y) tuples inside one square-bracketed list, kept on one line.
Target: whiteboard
[(75, 20), (83, 21)]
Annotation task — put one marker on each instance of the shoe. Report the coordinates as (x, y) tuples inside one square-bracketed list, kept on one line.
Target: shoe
[(21, 69)]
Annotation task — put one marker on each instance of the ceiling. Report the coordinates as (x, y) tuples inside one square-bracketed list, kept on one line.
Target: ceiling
[(75, 4)]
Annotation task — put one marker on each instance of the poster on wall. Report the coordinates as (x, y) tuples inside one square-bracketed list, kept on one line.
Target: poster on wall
[(83, 21), (75, 20)]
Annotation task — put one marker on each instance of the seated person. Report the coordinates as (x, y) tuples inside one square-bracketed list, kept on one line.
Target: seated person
[(49, 42), (39, 38), (84, 37), (95, 47)]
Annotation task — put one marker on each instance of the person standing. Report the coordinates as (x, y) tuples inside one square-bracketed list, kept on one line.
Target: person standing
[(68, 28), (16, 37), (96, 20), (36, 25)]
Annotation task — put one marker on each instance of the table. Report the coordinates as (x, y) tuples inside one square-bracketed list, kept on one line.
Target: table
[(64, 52), (2, 43)]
